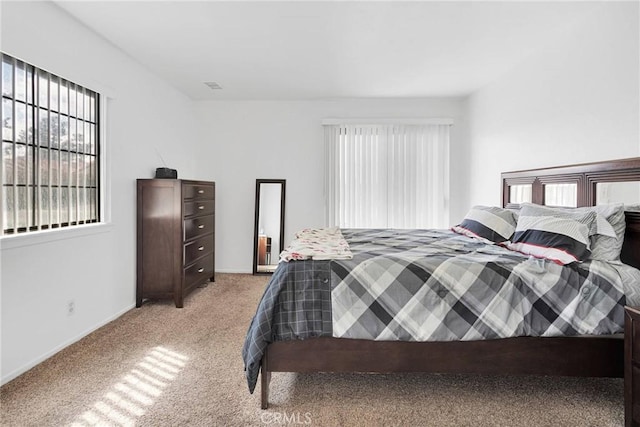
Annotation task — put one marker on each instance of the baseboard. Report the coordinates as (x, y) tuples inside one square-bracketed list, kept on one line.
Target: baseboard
[(16, 373), (233, 271)]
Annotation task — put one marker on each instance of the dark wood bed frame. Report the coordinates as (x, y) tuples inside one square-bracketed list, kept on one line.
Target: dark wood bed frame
[(594, 356)]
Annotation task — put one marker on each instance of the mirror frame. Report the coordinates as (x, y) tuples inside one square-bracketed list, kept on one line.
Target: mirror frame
[(283, 183)]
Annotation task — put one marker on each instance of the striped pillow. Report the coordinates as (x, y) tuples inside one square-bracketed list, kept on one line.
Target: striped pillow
[(487, 223), (562, 237), (606, 243)]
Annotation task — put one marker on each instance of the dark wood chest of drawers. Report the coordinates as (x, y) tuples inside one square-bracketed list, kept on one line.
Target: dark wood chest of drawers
[(176, 235)]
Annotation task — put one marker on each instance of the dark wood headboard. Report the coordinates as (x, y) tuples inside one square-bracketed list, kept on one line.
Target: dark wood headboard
[(586, 176)]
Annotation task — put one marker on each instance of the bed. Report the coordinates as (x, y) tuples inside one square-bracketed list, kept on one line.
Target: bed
[(575, 355)]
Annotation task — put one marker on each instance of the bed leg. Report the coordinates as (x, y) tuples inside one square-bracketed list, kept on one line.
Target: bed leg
[(265, 376)]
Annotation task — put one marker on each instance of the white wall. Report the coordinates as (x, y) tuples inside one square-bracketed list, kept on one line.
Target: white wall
[(247, 140), (574, 101), (97, 271)]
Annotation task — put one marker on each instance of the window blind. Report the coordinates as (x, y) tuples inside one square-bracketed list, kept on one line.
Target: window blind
[(387, 175)]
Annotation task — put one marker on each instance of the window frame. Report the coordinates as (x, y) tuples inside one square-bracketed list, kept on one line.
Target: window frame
[(33, 181)]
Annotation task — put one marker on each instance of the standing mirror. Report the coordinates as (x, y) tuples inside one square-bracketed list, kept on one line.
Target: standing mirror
[(268, 236)]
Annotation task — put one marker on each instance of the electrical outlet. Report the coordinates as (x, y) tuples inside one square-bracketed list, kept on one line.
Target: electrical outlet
[(71, 307)]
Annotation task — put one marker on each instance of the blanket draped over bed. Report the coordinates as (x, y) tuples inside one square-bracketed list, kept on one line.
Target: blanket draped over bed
[(432, 285)]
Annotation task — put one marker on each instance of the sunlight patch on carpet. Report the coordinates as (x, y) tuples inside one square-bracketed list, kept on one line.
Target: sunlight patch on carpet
[(130, 398)]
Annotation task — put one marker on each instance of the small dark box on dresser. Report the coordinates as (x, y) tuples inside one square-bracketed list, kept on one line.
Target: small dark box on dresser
[(166, 173)]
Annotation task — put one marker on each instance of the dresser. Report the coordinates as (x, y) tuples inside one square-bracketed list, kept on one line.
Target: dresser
[(631, 366), (175, 238)]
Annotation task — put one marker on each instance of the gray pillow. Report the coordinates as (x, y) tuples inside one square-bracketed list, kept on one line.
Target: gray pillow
[(607, 246), (557, 235), (607, 231), (490, 224)]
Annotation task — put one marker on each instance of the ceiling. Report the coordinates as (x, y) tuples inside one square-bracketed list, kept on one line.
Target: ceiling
[(329, 49)]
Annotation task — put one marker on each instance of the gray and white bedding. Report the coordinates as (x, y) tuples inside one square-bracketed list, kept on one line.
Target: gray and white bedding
[(435, 285)]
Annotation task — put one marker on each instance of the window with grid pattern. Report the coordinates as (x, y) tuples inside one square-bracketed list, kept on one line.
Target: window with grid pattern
[(50, 150)]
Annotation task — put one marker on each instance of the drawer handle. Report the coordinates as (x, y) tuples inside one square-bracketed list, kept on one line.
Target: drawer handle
[(201, 226), (200, 270), (201, 207), (201, 248), (200, 191)]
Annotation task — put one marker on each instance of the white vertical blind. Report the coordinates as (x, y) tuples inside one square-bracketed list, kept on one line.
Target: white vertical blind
[(387, 176)]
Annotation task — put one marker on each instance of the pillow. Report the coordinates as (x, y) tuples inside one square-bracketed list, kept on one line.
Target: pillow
[(557, 235), (606, 243), (488, 223), (542, 210), (607, 233), (515, 212)]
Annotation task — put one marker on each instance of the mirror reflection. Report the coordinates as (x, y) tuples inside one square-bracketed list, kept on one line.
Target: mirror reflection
[(520, 193), (564, 195), (618, 192), (269, 225)]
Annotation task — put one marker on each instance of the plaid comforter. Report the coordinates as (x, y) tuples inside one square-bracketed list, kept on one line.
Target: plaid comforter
[(432, 285)]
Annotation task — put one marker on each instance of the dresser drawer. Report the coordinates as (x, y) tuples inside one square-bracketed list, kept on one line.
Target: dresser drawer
[(198, 248), (199, 207), (198, 191), (200, 272), (198, 226)]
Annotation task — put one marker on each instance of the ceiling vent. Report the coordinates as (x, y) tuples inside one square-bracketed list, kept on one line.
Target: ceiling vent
[(213, 85)]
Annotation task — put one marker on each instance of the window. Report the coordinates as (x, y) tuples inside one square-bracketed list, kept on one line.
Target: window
[(50, 150), (387, 176)]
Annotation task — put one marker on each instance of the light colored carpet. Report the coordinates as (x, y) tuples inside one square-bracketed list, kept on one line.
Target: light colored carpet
[(162, 366)]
